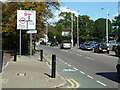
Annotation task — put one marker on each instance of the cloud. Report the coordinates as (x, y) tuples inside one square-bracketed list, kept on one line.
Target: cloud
[(115, 15), (56, 14)]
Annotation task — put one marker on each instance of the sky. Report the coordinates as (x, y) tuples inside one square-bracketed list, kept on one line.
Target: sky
[(92, 9)]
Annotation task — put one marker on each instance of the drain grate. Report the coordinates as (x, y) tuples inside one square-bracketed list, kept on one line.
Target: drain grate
[(21, 74)]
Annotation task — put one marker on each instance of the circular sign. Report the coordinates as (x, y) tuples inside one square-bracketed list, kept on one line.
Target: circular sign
[(22, 20)]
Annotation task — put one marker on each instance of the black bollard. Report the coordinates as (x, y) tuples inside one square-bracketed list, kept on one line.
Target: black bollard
[(1, 61), (15, 55), (34, 45), (2, 56), (118, 72), (53, 66), (41, 55)]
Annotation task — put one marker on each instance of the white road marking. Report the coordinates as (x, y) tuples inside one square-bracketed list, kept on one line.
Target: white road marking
[(69, 65), (75, 68), (101, 83), (90, 76), (82, 72), (65, 63), (89, 58)]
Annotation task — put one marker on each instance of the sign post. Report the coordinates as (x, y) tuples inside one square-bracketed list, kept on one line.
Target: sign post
[(26, 20)]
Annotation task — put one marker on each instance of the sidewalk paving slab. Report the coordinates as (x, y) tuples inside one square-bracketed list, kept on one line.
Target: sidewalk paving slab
[(29, 72)]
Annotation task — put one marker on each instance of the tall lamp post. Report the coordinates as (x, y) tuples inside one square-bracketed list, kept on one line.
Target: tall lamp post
[(106, 25), (72, 29), (77, 31)]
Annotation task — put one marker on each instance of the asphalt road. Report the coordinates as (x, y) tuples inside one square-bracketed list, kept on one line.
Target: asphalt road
[(100, 67)]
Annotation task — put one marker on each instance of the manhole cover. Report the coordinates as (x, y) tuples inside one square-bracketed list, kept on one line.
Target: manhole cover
[(21, 74)]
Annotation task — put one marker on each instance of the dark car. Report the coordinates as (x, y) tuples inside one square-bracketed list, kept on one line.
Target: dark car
[(87, 46), (100, 47), (117, 50), (53, 44)]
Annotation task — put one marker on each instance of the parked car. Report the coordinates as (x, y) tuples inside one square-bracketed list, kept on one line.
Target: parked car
[(49, 43), (81, 45), (101, 47), (53, 44), (65, 45), (117, 50), (87, 46)]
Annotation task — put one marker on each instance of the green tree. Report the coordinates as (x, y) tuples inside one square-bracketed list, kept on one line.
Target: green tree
[(116, 29), (100, 29), (9, 21)]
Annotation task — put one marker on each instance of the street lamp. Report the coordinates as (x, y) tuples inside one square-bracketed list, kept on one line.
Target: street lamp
[(72, 29), (106, 24), (77, 31)]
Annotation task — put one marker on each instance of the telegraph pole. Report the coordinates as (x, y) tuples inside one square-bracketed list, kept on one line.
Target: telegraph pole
[(72, 29), (77, 32)]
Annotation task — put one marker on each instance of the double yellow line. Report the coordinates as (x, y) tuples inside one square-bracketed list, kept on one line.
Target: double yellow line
[(49, 60), (74, 83)]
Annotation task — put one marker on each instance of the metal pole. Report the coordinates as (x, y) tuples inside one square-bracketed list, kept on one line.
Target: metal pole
[(107, 27), (72, 29), (53, 66), (41, 55), (77, 34), (31, 44), (20, 39), (46, 33)]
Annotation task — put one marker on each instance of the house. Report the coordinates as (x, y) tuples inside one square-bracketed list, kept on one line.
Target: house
[(66, 32)]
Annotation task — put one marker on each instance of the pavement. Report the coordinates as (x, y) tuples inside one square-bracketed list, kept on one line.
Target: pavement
[(29, 72)]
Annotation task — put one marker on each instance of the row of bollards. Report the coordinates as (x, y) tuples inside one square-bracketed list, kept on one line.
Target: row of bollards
[(53, 72)]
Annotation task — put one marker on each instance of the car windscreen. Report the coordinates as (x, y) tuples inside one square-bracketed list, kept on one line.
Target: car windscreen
[(104, 45), (66, 42), (87, 44)]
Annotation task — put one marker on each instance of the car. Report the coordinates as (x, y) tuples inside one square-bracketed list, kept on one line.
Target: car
[(87, 46), (65, 45), (101, 47), (53, 44), (81, 45), (48, 43), (117, 50)]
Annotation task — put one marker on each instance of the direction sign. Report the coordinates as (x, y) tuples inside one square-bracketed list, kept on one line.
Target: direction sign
[(31, 32), (26, 19)]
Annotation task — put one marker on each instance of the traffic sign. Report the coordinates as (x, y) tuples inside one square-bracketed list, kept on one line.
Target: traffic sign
[(26, 19), (31, 32)]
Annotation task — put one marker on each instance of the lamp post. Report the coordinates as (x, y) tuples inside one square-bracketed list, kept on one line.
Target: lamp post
[(72, 29), (106, 24), (77, 31)]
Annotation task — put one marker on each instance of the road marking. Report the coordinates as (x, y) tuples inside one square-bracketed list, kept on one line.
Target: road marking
[(82, 72), (89, 58), (69, 65), (74, 83), (90, 76), (47, 59), (77, 84), (69, 70), (75, 68), (70, 83), (101, 83), (65, 63)]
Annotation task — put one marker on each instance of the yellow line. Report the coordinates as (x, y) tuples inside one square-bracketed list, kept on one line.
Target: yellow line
[(77, 84), (70, 83), (47, 59)]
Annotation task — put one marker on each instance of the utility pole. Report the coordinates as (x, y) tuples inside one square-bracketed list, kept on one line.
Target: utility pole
[(72, 29), (77, 32), (46, 33)]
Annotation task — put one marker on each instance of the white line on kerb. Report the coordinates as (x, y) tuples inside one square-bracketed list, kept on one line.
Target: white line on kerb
[(101, 83), (89, 58), (82, 72), (90, 76)]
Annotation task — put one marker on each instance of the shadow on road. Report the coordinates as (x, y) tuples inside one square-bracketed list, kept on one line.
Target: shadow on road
[(109, 75)]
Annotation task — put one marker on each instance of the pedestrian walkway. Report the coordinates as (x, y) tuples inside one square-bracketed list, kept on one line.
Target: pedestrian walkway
[(29, 72)]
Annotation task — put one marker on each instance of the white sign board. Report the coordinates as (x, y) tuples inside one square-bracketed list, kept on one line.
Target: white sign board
[(31, 32), (26, 19)]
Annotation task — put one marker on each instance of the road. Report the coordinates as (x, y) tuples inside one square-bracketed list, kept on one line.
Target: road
[(100, 67)]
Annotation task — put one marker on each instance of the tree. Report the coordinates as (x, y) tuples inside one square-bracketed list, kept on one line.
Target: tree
[(9, 29), (100, 29), (116, 23)]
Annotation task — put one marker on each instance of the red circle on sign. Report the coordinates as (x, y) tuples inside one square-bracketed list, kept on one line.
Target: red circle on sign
[(22, 20), (25, 14)]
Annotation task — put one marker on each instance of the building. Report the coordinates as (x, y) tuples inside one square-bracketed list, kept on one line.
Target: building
[(66, 32)]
